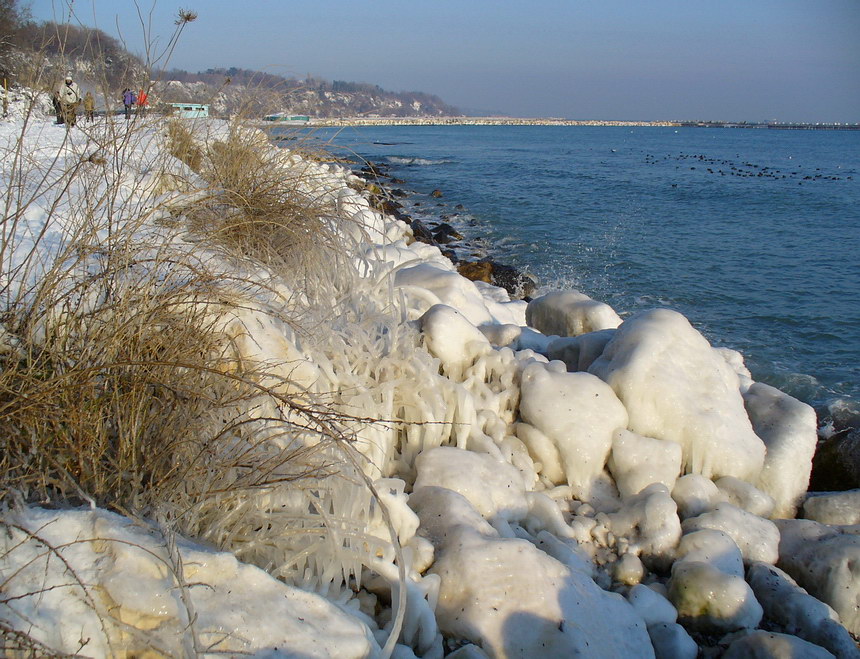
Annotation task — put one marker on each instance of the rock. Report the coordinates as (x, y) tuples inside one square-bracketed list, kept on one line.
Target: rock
[(445, 234), (676, 387), (517, 284), (825, 560), (671, 641), (549, 610), (709, 600), (636, 461), (477, 271), (436, 193), (570, 313), (839, 508), (788, 429), (757, 538), (799, 613), (769, 645), (421, 232), (579, 352), (579, 413), (836, 465)]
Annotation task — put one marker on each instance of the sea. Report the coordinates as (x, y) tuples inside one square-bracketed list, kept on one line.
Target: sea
[(752, 234)]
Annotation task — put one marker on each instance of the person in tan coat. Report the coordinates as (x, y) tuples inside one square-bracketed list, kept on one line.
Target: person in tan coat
[(89, 107)]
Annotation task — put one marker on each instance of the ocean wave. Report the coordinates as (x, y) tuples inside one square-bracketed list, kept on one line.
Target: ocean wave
[(421, 162)]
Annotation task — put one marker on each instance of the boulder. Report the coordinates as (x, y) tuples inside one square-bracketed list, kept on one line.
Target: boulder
[(836, 465)]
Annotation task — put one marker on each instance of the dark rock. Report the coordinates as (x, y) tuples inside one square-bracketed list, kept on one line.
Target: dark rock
[(517, 284), (397, 192), (477, 271), (421, 232), (450, 255), (836, 465), (459, 207), (445, 234)]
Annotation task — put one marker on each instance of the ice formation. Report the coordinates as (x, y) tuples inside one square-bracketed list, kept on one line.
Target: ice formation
[(528, 480)]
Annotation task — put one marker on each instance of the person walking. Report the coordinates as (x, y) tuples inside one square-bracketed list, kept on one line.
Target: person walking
[(128, 100), (89, 107), (55, 100), (69, 96)]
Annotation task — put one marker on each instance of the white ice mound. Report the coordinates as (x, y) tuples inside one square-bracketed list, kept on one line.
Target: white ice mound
[(799, 613), (578, 413), (788, 429), (545, 610), (676, 387), (130, 592), (450, 336), (570, 313), (636, 462), (833, 507), (825, 560), (494, 488), (427, 284), (757, 538)]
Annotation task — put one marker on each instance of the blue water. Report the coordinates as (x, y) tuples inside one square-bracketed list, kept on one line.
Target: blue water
[(761, 253)]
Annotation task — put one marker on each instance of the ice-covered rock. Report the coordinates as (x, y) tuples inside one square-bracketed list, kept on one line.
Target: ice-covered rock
[(841, 508), (124, 589), (578, 413), (427, 284), (651, 605), (635, 462), (788, 429), (695, 495), (713, 547), (570, 313), (710, 600), (675, 387), (579, 352), (671, 641), (546, 610), (825, 560), (449, 336), (799, 613), (760, 644), (647, 525), (757, 538), (745, 496), (494, 488)]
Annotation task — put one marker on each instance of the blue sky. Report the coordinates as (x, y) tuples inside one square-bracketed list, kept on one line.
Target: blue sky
[(789, 60)]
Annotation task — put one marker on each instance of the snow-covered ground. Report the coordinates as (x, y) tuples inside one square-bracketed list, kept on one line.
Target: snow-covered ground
[(524, 479)]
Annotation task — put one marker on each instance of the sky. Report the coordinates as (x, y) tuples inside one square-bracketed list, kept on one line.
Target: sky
[(730, 60)]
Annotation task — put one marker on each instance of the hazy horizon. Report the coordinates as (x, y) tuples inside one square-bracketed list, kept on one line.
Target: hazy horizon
[(783, 60)]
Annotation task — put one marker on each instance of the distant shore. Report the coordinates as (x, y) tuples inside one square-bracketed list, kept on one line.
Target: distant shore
[(549, 121)]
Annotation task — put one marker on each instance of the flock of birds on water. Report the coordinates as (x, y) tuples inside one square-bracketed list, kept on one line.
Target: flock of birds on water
[(742, 169)]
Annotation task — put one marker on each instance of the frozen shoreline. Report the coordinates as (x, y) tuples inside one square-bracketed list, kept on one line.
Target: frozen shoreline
[(559, 482)]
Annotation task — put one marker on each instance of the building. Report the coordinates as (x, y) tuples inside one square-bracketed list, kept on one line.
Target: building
[(189, 110), (290, 119)]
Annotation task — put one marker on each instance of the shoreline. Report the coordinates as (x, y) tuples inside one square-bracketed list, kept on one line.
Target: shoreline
[(534, 479), (333, 122)]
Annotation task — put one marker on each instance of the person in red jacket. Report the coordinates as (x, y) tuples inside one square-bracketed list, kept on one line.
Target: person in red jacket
[(142, 102)]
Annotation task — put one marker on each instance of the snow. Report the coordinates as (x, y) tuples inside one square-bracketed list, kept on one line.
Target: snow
[(546, 480)]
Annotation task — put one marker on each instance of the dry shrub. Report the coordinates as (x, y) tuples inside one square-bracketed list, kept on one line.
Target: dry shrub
[(128, 402), (260, 209), (181, 145)]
